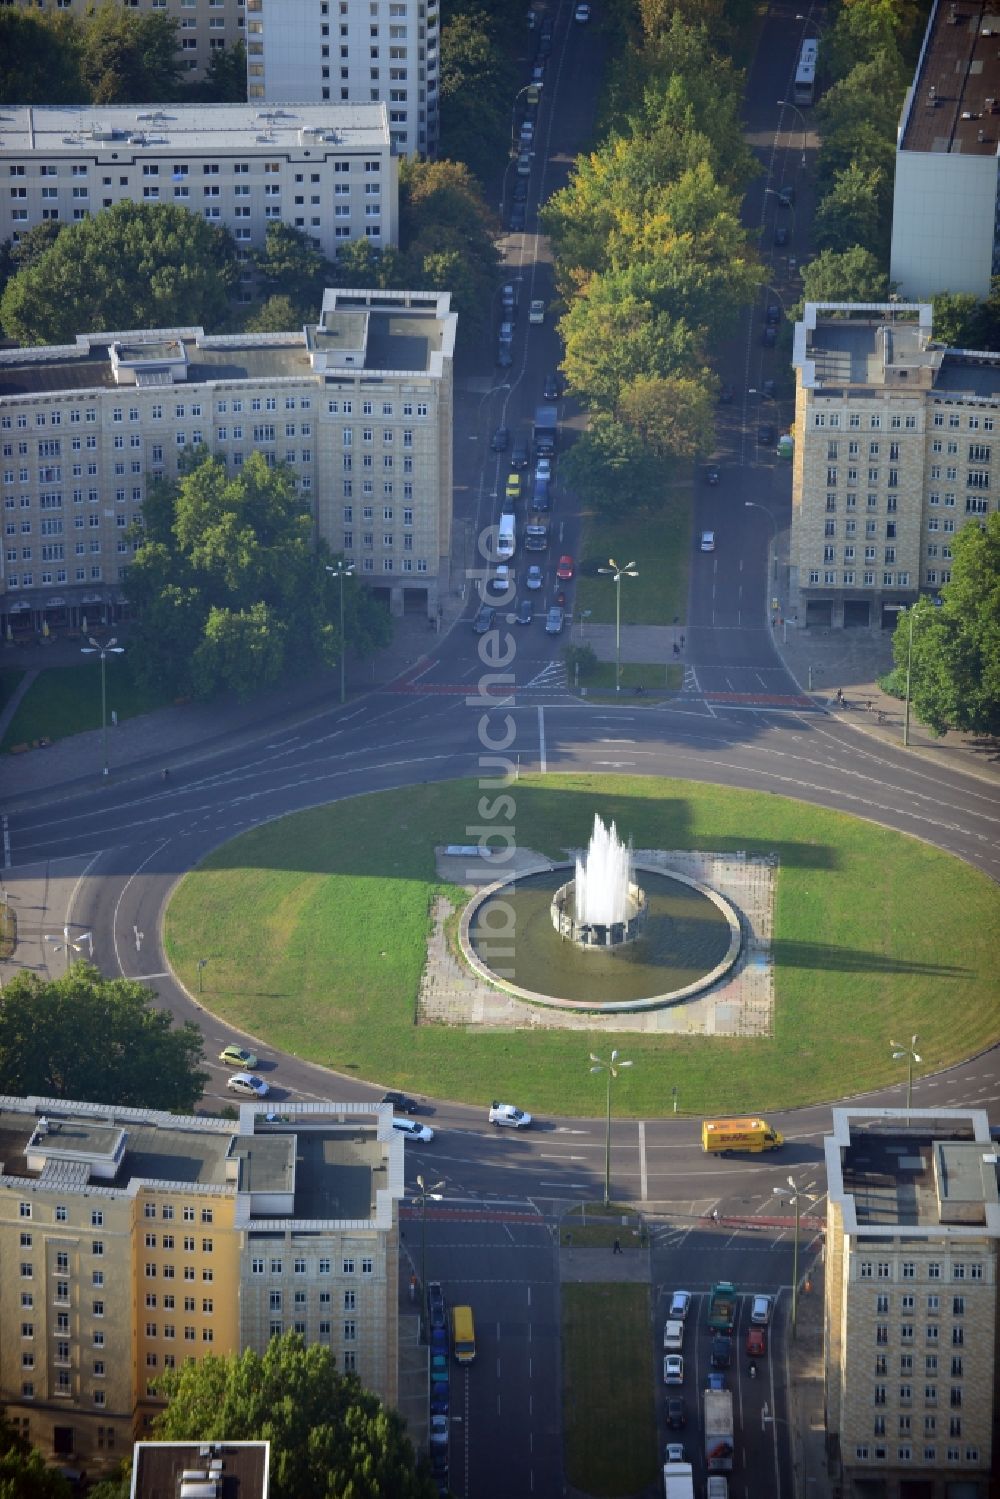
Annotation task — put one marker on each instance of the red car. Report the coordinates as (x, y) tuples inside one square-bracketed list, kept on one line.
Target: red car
[(565, 569), (756, 1342)]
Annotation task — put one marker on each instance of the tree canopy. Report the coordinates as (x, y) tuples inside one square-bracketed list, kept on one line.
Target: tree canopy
[(853, 275), (23, 1472), (955, 664), (231, 592), (132, 266), (99, 1040), (330, 1438), (447, 237)]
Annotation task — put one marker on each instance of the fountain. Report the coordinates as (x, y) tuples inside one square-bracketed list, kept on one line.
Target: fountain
[(603, 906)]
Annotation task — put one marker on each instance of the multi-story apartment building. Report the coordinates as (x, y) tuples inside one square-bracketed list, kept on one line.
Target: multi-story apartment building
[(946, 204), (132, 1240), (358, 404), (328, 170), (317, 50), (913, 1229), (895, 438), (203, 26)]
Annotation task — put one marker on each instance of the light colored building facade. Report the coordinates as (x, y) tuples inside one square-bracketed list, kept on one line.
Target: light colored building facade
[(203, 26), (895, 442), (913, 1229), (946, 198), (328, 170), (359, 405), (341, 50), (125, 1237)]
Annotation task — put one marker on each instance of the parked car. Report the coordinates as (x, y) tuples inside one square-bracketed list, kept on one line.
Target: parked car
[(440, 1399), (673, 1368), (786, 196), (484, 619), (500, 439), (680, 1302), (534, 578), (524, 163), (767, 389), (781, 235), (436, 1303), (773, 313), (508, 300), (538, 73), (519, 192), (552, 388), (760, 1310), (525, 613), (400, 1103), (544, 48), (707, 541), (516, 219), (675, 1413), (527, 133), (247, 1085), (439, 1431), (414, 1130), (564, 571), (722, 1352), (507, 1116), (582, 14), (767, 434), (238, 1056), (505, 354), (536, 312), (712, 475), (769, 336), (554, 620)]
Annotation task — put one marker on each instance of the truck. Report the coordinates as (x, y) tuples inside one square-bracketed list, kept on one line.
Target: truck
[(546, 424), (722, 1307), (719, 1431), (719, 1136), (678, 1481), (536, 538)]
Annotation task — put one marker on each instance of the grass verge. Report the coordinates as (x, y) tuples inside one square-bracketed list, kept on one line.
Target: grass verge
[(66, 700), (609, 1415), (649, 674), (315, 932), (659, 546)]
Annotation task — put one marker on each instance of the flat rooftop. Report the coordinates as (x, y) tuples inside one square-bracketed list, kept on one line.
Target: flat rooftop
[(920, 1171), (152, 1150), (955, 104), (338, 1176), (157, 1468), (876, 345), (181, 129)]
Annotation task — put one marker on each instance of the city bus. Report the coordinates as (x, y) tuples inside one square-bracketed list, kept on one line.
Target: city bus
[(805, 73), (463, 1334)]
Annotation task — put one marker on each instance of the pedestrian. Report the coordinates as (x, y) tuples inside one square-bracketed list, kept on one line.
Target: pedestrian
[(618, 1246), (715, 1215), (870, 705), (683, 638), (677, 649), (840, 697)]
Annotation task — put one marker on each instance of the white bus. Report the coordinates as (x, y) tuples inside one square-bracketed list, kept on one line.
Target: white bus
[(805, 73)]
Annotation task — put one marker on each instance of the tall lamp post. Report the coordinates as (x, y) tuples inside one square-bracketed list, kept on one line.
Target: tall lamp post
[(614, 571), (795, 1195), (612, 1068), (341, 571), (104, 651), (911, 614), (909, 1054), (433, 1193), (787, 104)]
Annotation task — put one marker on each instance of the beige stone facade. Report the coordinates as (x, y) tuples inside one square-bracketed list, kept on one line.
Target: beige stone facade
[(911, 1301), (203, 26), (111, 1272), (359, 405), (896, 448)]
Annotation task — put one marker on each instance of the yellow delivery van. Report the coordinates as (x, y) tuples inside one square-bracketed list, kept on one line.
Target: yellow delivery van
[(463, 1334), (721, 1135)]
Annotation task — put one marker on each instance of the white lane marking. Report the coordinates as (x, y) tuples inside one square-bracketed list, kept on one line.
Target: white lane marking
[(642, 1160), (121, 896), (541, 740)]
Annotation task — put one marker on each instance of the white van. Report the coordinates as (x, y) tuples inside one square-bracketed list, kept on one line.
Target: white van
[(718, 1487), (506, 537), (673, 1337)]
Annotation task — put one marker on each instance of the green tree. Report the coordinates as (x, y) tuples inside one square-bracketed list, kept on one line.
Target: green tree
[(611, 471), (23, 1473), (853, 275), (39, 58), (614, 333), (955, 664), (673, 416), (329, 1437), (131, 266), (853, 212), (446, 227), (231, 592), (276, 315), (956, 319), (477, 84), (128, 57), (290, 265), (225, 80), (97, 1040)]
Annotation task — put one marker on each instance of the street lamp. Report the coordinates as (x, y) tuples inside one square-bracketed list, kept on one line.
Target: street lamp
[(612, 1068), (614, 571), (911, 614), (787, 104), (795, 1195), (104, 651), (434, 1194), (341, 571), (69, 945), (910, 1055)]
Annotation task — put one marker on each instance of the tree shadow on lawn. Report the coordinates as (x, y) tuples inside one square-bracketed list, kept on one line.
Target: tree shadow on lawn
[(823, 957)]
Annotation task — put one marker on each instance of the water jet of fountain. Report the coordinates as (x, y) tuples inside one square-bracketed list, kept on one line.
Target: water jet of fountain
[(603, 877)]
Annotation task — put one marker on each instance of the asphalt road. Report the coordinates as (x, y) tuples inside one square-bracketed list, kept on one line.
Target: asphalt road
[(117, 850)]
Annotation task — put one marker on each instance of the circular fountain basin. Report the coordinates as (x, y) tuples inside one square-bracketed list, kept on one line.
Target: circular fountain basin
[(690, 938)]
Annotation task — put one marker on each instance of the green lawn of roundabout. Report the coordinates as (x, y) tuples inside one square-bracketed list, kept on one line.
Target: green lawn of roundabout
[(315, 928)]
